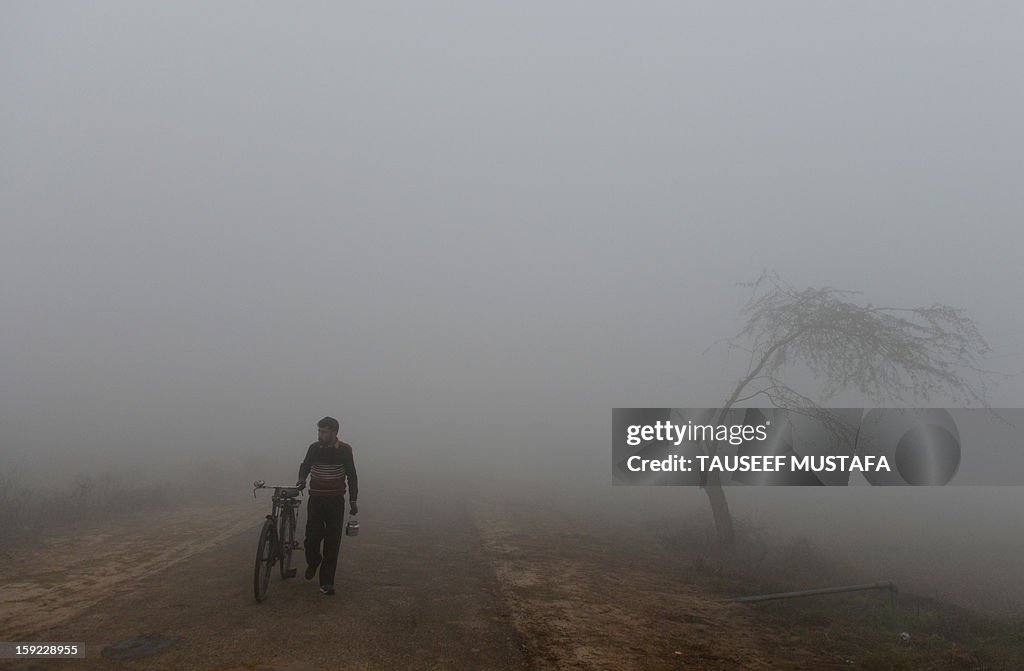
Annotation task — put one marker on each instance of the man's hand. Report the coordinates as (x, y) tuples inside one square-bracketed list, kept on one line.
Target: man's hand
[(353, 508), (301, 484)]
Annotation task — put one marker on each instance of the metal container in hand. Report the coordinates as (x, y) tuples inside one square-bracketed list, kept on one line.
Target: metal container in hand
[(352, 528)]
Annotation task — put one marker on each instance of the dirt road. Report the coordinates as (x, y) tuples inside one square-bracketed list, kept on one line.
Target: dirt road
[(450, 580), (414, 592)]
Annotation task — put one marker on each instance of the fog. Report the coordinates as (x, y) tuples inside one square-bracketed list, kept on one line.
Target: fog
[(470, 230)]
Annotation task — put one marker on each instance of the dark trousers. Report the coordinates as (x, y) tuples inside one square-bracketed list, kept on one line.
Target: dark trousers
[(325, 518)]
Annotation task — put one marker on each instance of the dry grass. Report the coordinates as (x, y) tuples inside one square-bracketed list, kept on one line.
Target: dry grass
[(28, 513)]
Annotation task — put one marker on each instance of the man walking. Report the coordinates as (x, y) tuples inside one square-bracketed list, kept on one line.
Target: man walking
[(329, 462)]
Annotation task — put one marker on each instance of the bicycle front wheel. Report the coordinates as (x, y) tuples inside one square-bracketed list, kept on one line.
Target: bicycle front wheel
[(287, 538), (264, 560)]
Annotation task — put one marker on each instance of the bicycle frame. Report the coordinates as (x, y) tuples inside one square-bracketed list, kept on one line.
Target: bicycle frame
[(283, 497)]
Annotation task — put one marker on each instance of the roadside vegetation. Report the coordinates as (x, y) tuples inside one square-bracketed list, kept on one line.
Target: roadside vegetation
[(32, 508), (27, 511)]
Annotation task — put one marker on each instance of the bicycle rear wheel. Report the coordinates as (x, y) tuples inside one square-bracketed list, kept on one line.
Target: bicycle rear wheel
[(287, 538), (264, 560)]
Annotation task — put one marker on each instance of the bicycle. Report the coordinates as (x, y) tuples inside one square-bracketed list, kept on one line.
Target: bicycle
[(277, 537)]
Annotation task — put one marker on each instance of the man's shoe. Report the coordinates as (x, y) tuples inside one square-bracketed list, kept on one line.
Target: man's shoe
[(311, 571), (327, 590)]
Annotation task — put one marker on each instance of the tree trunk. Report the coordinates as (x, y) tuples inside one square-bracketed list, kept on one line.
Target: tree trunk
[(723, 520)]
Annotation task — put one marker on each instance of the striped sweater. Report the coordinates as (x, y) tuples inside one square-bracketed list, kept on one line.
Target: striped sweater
[(328, 467)]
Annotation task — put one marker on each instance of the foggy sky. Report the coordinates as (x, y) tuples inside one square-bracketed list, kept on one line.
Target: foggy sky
[(472, 228)]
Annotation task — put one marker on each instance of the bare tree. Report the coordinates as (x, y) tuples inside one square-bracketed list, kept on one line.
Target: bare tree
[(888, 354)]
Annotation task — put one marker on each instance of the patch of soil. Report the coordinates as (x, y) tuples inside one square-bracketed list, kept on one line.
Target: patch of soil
[(589, 597), (50, 581)]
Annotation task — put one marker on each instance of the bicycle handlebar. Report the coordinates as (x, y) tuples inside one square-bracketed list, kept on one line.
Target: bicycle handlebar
[(261, 484)]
